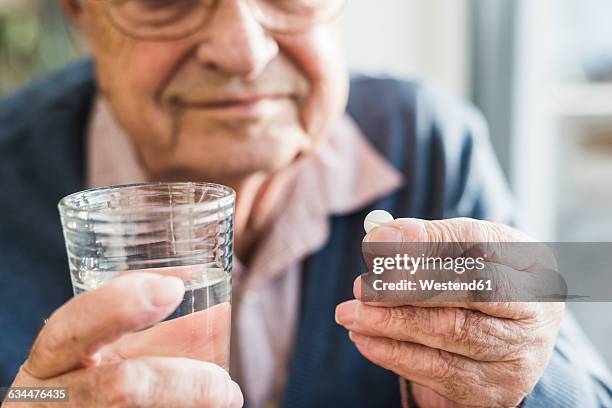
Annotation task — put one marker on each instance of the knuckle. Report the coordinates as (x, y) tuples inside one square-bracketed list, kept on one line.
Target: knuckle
[(430, 232), (520, 378), (442, 366), (496, 232), (504, 289), (511, 399), (24, 378), (547, 317), (392, 317), (384, 319), (50, 338), (47, 345), (490, 232), (523, 385), (514, 394), (425, 321), (390, 354), (488, 338), (462, 326), (443, 231), (469, 229), (129, 384)]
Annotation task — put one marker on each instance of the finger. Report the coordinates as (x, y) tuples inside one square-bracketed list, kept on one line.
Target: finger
[(78, 329), (148, 382), (452, 376), (447, 230), (455, 237), (202, 336), (504, 310), (461, 331), (156, 382)]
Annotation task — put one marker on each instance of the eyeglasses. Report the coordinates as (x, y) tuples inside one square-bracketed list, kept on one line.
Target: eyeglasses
[(167, 20)]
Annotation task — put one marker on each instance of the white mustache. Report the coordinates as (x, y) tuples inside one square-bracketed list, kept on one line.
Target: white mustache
[(193, 84)]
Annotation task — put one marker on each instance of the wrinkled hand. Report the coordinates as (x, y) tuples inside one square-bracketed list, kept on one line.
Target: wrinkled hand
[(483, 354), (95, 346)]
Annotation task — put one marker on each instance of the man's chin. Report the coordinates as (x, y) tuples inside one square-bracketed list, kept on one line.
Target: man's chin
[(213, 156)]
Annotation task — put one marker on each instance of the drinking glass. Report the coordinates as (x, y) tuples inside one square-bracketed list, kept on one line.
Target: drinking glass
[(178, 229)]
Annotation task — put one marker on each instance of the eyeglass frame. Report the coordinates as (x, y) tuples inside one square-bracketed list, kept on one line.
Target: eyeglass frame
[(252, 6)]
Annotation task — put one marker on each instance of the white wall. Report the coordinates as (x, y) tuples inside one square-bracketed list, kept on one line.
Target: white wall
[(423, 38), (534, 135)]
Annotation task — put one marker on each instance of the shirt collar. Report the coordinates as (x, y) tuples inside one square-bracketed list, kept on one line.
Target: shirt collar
[(111, 157)]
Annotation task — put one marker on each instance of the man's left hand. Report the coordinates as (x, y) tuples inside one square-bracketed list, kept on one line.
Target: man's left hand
[(461, 353)]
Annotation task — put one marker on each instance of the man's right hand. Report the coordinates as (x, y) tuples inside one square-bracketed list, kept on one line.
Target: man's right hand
[(69, 352)]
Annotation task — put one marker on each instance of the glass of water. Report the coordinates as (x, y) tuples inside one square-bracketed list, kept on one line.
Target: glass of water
[(177, 229)]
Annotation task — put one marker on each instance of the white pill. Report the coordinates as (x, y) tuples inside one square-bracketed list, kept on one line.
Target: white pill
[(375, 219)]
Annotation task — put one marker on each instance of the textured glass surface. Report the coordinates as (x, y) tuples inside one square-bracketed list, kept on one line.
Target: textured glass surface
[(177, 229)]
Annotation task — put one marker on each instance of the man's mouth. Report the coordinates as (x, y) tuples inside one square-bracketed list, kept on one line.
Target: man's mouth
[(241, 105)]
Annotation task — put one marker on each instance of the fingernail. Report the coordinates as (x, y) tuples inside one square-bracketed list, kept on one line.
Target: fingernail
[(163, 291), (237, 400), (385, 234), (346, 313)]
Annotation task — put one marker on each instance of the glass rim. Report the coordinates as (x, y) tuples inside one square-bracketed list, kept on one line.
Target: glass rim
[(68, 207)]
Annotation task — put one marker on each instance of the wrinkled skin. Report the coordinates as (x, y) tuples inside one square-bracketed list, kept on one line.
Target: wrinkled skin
[(99, 346), (480, 354)]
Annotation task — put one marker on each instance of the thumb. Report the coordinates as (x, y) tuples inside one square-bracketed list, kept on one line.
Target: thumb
[(458, 237), (450, 230)]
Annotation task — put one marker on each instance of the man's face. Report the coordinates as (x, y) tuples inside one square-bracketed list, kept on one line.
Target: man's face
[(228, 101)]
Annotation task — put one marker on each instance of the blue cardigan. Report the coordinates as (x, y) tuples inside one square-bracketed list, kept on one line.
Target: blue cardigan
[(439, 145)]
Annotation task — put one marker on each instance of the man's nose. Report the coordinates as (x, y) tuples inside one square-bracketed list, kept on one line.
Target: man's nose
[(234, 42)]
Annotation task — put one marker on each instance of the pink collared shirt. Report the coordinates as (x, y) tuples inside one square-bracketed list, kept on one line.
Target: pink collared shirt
[(344, 174)]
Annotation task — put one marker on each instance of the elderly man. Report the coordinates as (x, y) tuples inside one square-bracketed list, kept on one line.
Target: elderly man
[(253, 94)]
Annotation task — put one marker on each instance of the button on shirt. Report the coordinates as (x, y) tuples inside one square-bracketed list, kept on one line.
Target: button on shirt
[(342, 175)]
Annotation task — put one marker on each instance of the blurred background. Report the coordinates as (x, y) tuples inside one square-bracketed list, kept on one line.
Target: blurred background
[(543, 81)]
